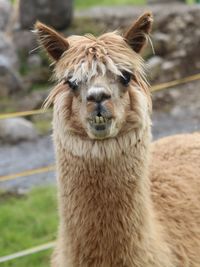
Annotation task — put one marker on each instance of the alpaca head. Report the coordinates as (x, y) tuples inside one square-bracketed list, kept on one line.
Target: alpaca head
[(101, 91)]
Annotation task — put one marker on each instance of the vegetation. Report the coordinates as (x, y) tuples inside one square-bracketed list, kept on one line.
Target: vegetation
[(25, 222), (89, 3)]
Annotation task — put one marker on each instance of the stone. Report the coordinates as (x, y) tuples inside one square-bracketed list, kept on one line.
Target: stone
[(54, 13), (4, 61), (154, 65), (175, 93), (179, 54), (5, 12), (15, 130), (163, 43), (34, 61), (177, 111), (38, 76), (169, 65), (33, 101), (178, 23), (162, 101), (7, 50), (10, 82), (171, 70), (25, 41)]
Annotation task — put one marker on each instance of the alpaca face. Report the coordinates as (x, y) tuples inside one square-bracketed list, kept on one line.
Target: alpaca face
[(102, 92), (100, 102), (101, 85)]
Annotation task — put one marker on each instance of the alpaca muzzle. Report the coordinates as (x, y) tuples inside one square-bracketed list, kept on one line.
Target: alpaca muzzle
[(100, 121), (99, 127)]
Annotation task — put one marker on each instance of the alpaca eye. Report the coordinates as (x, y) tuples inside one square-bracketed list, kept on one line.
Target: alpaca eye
[(125, 79), (72, 84)]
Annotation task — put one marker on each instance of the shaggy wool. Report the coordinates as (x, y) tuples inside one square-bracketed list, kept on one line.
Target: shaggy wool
[(123, 202)]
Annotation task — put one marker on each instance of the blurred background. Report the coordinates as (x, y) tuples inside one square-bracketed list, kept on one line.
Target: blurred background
[(28, 209)]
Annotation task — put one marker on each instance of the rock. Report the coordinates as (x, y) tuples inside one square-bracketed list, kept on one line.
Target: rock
[(25, 41), (54, 13), (163, 43), (7, 50), (178, 23), (17, 129), (33, 101), (177, 111), (179, 54), (154, 65), (37, 76), (175, 94), (34, 61), (4, 61), (197, 64), (169, 65), (170, 70), (163, 100), (5, 12), (10, 81)]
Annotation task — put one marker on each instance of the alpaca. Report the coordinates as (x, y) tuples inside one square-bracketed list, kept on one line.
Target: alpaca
[(123, 202)]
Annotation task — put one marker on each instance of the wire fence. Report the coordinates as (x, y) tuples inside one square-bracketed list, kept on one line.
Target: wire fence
[(27, 252), (26, 173), (51, 168)]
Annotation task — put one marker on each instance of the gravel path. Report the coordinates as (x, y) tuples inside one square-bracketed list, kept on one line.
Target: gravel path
[(24, 156), (176, 111)]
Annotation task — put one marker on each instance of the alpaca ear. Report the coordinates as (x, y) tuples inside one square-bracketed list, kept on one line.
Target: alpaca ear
[(54, 43), (136, 36)]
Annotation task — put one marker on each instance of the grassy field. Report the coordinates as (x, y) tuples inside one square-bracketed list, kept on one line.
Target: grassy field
[(26, 222), (89, 3)]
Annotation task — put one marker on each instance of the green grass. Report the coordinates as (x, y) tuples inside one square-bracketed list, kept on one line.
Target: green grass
[(89, 3), (26, 222)]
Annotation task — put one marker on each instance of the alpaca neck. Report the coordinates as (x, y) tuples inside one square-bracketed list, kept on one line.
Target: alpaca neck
[(106, 213)]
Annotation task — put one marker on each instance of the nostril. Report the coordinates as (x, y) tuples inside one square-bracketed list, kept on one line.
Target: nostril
[(106, 96), (91, 98), (98, 97)]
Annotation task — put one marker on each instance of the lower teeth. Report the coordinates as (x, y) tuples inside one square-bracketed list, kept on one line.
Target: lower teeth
[(99, 120)]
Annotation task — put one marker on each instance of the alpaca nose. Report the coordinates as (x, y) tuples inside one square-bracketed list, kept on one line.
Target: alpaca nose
[(97, 96)]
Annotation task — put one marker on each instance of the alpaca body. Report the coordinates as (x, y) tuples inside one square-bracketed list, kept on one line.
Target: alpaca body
[(105, 207), (175, 177), (108, 219)]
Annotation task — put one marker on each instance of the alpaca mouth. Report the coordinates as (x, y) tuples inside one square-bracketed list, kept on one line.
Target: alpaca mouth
[(100, 126), (99, 120)]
